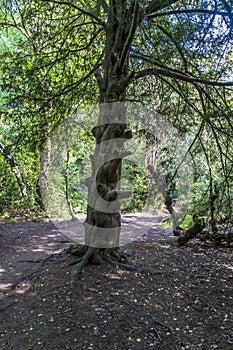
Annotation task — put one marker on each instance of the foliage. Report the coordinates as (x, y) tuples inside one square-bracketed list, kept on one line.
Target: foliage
[(137, 185), (55, 58)]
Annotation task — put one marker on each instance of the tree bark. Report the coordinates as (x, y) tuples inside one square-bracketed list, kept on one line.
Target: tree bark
[(191, 232), (73, 216), (44, 168), (14, 169), (151, 159), (103, 217), (154, 180), (103, 222)]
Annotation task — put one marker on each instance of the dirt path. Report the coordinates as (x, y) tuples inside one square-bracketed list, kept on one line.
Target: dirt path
[(183, 301), (23, 246)]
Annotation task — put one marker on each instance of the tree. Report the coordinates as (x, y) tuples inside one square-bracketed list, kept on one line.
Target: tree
[(183, 45), (14, 169)]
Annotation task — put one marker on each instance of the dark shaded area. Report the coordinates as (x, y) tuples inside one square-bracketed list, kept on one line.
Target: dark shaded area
[(183, 301)]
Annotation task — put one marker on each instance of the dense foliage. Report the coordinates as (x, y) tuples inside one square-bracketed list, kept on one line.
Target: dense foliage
[(180, 59)]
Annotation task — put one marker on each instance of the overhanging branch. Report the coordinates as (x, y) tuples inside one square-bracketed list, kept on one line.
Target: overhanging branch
[(157, 5), (188, 11), (178, 76), (229, 11)]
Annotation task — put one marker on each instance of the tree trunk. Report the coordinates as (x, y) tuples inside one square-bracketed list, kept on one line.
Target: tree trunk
[(191, 232), (103, 217), (44, 168), (73, 216), (157, 187), (103, 221), (169, 207), (15, 169), (214, 194), (151, 160)]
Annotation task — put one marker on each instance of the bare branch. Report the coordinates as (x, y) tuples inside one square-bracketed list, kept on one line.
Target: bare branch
[(178, 89), (180, 12), (68, 52), (189, 149), (149, 59), (177, 75)]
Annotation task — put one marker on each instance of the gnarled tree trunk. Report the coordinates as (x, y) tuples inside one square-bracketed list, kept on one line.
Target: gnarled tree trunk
[(103, 222), (103, 218)]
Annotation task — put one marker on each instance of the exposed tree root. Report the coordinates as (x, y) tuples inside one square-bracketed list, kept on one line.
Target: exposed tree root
[(85, 260), (122, 265), (97, 256), (74, 262)]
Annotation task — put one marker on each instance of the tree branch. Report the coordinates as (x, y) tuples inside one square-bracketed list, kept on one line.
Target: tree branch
[(175, 43), (229, 11), (131, 34), (157, 5), (177, 12), (70, 87), (99, 78), (67, 53), (177, 75), (149, 59), (77, 8)]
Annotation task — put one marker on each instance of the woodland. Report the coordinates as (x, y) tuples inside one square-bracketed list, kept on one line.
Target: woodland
[(116, 116)]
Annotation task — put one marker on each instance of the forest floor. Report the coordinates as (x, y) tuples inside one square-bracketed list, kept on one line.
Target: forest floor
[(183, 299)]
